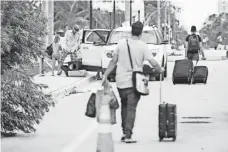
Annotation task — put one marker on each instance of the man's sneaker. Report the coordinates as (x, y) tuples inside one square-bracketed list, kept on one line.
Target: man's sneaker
[(129, 141), (123, 138)]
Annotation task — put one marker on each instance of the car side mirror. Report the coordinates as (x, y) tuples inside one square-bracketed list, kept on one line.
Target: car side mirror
[(165, 42)]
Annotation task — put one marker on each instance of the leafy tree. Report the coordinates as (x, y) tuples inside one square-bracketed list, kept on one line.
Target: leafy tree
[(151, 8), (68, 13), (214, 26), (22, 101)]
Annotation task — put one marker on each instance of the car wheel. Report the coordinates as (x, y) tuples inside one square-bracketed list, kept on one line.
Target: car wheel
[(150, 77)]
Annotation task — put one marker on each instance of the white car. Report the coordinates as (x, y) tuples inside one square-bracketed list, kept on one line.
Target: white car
[(155, 43), (92, 48)]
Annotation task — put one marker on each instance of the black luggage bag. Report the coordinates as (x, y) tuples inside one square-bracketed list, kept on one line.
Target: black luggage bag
[(200, 74), (182, 72), (167, 119)]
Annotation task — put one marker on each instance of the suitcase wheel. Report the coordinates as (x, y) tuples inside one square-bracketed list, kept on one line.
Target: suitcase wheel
[(160, 139), (189, 81), (205, 81), (174, 82), (193, 82), (174, 138)]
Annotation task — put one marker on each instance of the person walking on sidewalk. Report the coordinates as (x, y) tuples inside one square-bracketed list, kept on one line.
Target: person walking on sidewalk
[(194, 46), (72, 45), (56, 53), (129, 98)]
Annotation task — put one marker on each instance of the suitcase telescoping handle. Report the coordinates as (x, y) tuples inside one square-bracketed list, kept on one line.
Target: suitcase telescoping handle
[(160, 88)]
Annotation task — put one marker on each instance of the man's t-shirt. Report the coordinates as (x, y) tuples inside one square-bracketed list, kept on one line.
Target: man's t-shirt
[(139, 53), (187, 38)]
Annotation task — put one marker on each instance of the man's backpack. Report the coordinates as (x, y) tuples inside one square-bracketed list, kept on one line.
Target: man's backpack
[(193, 44)]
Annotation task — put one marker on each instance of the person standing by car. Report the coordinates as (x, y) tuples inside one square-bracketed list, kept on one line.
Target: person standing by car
[(56, 53), (193, 46), (72, 45), (129, 98)]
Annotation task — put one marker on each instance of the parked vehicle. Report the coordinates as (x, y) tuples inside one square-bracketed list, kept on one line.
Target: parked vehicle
[(92, 48), (155, 43)]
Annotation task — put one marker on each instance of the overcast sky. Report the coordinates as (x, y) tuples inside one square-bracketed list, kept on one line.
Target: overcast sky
[(195, 12)]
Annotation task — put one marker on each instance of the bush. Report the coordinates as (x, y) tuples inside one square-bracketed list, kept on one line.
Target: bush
[(23, 103)]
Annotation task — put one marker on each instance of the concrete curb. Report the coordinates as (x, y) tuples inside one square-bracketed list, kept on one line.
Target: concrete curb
[(65, 91)]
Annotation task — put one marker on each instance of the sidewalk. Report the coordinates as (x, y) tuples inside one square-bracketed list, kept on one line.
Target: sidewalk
[(62, 123), (59, 85)]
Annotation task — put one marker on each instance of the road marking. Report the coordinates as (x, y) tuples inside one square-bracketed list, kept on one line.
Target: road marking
[(76, 142)]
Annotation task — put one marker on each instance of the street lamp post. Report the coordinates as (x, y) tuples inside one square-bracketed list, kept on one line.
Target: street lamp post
[(91, 14), (138, 15), (130, 12), (165, 22), (159, 15), (110, 20), (114, 13)]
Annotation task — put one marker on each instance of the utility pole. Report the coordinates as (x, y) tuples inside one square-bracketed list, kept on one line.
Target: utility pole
[(138, 15), (110, 20), (41, 62), (91, 14), (169, 22), (159, 14), (50, 21), (130, 12), (114, 14), (165, 23), (127, 12)]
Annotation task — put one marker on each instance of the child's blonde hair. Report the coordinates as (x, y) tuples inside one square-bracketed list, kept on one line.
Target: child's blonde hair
[(57, 37)]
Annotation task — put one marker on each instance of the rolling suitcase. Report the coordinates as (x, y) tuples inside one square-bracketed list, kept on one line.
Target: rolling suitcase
[(182, 72), (200, 74), (167, 119)]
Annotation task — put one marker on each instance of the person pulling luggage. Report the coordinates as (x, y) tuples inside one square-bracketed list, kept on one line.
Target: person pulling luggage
[(194, 46), (129, 98)]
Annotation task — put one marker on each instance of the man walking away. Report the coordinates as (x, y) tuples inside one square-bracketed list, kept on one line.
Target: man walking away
[(72, 45), (193, 46), (129, 98)]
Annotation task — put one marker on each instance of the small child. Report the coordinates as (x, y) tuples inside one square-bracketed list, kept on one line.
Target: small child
[(56, 53)]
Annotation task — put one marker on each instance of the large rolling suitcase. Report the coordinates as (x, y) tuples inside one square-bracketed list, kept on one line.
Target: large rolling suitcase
[(200, 74), (182, 72), (167, 119)]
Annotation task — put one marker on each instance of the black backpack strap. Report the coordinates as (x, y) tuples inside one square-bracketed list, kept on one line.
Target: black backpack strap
[(129, 52)]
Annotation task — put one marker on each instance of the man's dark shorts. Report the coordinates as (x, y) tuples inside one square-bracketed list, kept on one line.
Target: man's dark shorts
[(193, 56)]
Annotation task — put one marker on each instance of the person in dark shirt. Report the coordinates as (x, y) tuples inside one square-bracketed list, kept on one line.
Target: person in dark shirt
[(194, 46)]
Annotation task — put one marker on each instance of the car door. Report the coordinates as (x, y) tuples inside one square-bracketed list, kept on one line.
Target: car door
[(93, 43)]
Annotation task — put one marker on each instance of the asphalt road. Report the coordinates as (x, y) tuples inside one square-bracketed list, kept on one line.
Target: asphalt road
[(198, 100), (66, 126)]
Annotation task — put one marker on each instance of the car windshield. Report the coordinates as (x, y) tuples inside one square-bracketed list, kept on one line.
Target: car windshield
[(148, 36)]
